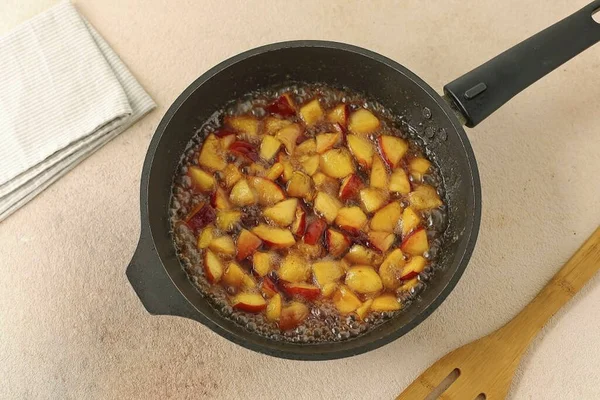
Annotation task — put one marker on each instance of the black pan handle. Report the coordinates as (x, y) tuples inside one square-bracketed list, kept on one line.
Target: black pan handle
[(482, 91), (153, 286)]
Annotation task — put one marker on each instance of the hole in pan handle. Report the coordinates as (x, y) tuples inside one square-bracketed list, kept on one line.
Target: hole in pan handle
[(479, 93), (596, 15)]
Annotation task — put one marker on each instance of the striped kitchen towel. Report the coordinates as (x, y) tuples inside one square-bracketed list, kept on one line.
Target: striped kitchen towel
[(64, 93)]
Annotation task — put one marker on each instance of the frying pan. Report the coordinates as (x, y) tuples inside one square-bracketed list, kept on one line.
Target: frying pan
[(155, 272)]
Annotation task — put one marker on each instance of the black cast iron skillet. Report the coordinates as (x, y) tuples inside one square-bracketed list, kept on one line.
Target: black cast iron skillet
[(155, 272)]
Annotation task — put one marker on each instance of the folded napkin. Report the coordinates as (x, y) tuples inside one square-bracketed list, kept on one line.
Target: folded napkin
[(64, 93)]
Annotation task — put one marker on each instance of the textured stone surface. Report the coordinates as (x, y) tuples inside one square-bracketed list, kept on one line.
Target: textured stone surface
[(71, 326)]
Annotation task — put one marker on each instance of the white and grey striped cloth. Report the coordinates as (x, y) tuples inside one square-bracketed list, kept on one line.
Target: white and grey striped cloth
[(64, 93)]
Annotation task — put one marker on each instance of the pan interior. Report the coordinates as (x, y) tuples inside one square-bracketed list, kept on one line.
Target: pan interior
[(424, 112)]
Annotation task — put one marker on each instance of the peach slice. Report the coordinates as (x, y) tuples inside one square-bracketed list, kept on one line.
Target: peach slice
[(228, 219), (362, 149), (283, 105), (201, 216), (244, 124), (386, 219), (223, 245), (292, 315), (267, 287), (338, 115), (413, 267), (232, 175), (382, 241), (392, 148), (326, 184), (212, 267), (385, 302), (410, 221), (314, 231), (310, 164), (351, 219), (288, 168), (274, 308), (416, 243), (219, 200), (363, 279), (294, 268), (408, 285), (211, 155), (424, 197), (250, 302), (363, 122), (399, 182), (419, 166), (206, 237), (262, 262), (329, 289), (282, 213), (242, 195), (235, 276), (337, 242), (226, 137), (311, 112), (327, 272), (249, 281), (299, 225), (350, 187), (308, 147), (327, 206), (267, 191), (327, 141), (269, 147), (363, 310), (390, 270), (226, 145), (337, 163), (247, 244), (274, 237), (300, 185), (306, 290), (201, 180), (379, 176), (361, 255), (272, 125), (275, 171), (288, 136), (372, 199), (345, 300)]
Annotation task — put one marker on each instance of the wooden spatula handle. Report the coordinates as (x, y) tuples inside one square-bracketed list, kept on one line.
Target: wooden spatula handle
[(565, 284)]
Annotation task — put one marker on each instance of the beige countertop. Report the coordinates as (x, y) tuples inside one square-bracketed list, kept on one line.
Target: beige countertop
[(72, 327)]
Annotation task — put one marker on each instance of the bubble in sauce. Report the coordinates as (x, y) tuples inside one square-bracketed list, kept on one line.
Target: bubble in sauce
[(426, 112)]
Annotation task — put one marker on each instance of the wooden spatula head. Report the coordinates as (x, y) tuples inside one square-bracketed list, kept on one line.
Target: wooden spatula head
[(485, 366)]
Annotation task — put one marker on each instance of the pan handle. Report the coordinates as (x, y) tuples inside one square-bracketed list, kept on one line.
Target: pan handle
[(479, 93), (153, 286)]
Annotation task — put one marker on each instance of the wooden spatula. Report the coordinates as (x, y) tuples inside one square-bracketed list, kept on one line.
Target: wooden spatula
[(485, 367)]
